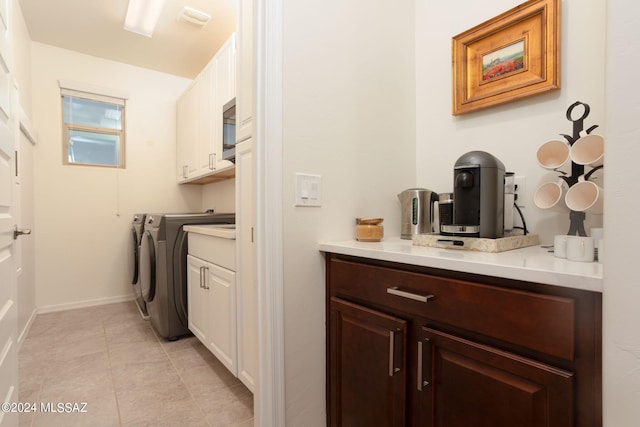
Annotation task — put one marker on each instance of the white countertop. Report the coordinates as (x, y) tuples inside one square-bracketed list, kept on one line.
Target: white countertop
[(226, 231), (532, 264)]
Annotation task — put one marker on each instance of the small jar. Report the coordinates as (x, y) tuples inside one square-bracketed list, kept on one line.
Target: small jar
[(369, 229)]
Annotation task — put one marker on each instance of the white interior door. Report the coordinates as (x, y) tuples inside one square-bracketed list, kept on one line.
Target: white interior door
[(8, 306)]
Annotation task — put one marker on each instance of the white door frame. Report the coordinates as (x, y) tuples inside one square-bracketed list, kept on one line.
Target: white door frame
[(270, 405)]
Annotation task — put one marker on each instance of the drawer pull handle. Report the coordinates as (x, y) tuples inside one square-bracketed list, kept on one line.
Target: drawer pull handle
[(404, 294)]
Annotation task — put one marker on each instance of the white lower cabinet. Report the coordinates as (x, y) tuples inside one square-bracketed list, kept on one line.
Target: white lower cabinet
[(211, 291)]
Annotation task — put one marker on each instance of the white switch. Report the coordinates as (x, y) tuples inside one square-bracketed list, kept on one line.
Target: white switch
[(307, 190)]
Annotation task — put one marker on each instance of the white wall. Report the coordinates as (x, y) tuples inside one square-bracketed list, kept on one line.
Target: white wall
[(219, 196), (511, 132), (83, 214), (349, 116), (346, 63), (621, 341)]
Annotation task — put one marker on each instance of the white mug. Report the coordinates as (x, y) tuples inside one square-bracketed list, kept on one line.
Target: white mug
[(588, 150), (580, 248), (597, 233), (585, 196), (560, 246), (551, 195), (553, 154)]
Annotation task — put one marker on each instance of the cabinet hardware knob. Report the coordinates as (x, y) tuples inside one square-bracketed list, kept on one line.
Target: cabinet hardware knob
[(404, 294)]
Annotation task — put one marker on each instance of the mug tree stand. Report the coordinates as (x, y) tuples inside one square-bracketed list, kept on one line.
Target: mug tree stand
[(576, 219)]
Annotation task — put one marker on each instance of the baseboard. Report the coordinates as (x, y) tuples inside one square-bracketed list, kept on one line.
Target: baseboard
[(83, 304), (27, 328)]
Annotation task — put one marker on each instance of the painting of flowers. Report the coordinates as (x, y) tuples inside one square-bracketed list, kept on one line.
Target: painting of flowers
[(503, 61)]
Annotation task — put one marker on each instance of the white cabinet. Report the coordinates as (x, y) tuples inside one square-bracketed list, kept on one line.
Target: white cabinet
[(187, 130), (246, 72), (211, 296), (226, 79), (206, 147), (199, 120), (245, 276), (197, 300)]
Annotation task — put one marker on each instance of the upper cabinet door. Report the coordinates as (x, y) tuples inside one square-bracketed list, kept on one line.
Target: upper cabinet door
[(206, 90), (187, 131), (226, 79), (246, 75)]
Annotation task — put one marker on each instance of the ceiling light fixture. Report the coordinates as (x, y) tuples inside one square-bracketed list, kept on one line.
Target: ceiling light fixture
[(193, 16), (142, 16)]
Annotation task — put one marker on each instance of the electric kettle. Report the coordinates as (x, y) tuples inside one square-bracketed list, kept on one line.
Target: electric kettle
[(417, 212)]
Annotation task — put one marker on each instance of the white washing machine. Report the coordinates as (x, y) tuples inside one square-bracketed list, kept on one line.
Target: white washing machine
[(163, 269)]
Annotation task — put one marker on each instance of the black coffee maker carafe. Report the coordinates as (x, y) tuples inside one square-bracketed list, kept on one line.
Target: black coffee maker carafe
[(478, 194)]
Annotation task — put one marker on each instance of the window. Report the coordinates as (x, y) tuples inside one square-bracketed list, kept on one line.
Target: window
[(93, 129)]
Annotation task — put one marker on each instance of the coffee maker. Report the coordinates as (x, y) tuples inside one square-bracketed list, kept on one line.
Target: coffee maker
[(478, 194)]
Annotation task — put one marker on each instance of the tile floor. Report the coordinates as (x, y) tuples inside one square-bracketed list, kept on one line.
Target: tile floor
[(110, 358)]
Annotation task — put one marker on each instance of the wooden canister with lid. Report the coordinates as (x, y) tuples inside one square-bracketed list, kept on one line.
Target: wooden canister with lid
[(369, 229)]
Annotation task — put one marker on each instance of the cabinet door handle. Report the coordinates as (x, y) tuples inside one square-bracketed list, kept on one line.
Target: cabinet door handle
[(421, 381), (201, 275), (392, 351), (391, 348), (211, 161), (206, 274), (404, 294), (419, 374)]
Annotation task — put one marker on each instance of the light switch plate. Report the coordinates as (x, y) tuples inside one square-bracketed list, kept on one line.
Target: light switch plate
[(307, 190)]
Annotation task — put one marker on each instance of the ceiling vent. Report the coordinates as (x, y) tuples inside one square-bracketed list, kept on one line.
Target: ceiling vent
[(193, 16)]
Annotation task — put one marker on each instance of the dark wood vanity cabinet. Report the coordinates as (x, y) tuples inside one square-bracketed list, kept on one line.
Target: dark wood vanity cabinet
[(413, 346)]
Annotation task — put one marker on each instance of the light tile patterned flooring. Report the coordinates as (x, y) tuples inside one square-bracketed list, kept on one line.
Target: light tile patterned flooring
[(109, 357)]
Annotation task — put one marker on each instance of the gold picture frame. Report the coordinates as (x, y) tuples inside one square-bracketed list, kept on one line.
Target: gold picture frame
[(509, 57)]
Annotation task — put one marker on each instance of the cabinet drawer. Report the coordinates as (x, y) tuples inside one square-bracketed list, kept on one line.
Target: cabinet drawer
[(540, 322), (217, 250)]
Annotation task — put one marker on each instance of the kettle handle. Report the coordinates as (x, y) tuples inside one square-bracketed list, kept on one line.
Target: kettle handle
[(432, 207)]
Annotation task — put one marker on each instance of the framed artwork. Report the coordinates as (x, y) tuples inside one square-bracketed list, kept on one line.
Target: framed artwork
[(509, 57)]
